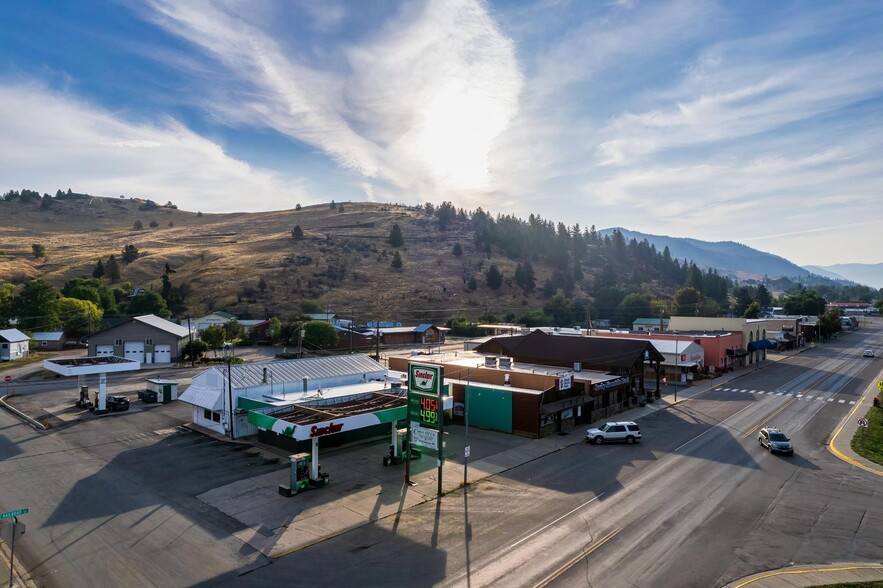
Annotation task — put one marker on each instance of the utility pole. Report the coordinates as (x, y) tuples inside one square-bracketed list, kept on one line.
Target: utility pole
[(377, 340), (190, 336), (661, 313)]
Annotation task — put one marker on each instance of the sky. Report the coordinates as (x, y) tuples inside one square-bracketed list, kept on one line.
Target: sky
[(757, 122)]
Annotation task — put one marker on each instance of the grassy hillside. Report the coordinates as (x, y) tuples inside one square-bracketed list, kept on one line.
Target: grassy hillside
[(343, 260)]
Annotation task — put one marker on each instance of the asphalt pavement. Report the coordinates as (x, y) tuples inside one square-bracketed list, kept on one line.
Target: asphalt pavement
[(362, 490)]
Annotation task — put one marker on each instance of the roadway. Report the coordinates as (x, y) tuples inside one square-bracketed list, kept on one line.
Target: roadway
[(697, 503)]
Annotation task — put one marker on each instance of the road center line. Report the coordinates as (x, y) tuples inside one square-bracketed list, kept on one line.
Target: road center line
[(723, 422), (564, 516)]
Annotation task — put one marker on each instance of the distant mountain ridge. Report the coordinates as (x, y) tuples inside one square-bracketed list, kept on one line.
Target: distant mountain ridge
[(728, 257), (862, 273)]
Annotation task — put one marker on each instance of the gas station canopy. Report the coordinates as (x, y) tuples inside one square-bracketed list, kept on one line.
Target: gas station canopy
[(86, 366)]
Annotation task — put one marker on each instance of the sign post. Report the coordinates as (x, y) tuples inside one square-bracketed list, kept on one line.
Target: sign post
[(425, 413), (13, 514)]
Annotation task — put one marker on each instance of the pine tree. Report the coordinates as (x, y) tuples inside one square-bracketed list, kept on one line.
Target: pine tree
[(396, 261), (458, 250), (112, 269), (396, 239), (494, 277), (98, 272)]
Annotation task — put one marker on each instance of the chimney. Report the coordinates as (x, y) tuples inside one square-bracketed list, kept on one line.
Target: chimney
[(577, 366), (305, 384), (264, 380)]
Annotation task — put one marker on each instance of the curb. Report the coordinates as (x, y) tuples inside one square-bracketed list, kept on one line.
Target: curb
[(813, 575), (20, 414)]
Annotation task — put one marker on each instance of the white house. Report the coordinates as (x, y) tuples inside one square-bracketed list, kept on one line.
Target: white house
[(13, 344), (218, 318)]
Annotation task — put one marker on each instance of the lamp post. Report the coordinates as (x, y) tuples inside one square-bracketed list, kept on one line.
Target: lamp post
[(228, 357)]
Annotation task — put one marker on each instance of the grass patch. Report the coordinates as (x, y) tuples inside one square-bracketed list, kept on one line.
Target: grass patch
[(868, 441)]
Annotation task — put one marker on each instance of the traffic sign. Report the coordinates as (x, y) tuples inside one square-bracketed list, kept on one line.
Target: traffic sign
[(7, 379), (14, 513), (863, 422)]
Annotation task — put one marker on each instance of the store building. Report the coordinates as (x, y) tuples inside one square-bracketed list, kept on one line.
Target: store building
[(556, 391), (277, 387), (146, 339), (722, 351)]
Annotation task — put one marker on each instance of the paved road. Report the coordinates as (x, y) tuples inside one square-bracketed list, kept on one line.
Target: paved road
[(698, 503)]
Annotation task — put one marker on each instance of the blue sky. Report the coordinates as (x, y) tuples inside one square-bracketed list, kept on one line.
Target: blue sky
[(757, 122)]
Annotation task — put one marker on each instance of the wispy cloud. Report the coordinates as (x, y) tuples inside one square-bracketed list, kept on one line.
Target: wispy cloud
[(52, 142), (416, 105)]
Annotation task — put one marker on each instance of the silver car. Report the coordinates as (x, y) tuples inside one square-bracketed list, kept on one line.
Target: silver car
[(625, 431)]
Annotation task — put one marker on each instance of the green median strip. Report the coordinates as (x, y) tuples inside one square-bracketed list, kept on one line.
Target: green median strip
[(868, 442)]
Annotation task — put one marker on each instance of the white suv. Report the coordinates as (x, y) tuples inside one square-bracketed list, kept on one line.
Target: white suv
[(626, 431)]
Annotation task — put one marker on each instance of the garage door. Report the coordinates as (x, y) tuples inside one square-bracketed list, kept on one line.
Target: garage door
[(162, 354), (104, 350), (134, 350)]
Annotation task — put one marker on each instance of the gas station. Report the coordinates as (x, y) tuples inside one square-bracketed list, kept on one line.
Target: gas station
[(88, 366), (343, 414)]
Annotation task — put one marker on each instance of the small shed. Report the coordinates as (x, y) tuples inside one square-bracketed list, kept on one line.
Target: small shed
[(166, 390)]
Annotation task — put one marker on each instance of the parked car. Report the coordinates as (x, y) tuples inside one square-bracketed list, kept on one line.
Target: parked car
[(147, 396), (868, 353), (775, 441), (625, 431), (117, 402)]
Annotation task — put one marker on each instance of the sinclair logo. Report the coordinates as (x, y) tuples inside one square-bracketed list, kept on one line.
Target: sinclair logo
[(424, 379)]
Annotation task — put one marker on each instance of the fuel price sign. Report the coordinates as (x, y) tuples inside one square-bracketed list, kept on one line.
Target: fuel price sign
[(424, 410)]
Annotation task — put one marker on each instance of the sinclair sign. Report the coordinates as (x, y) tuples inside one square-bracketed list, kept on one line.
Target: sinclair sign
[(424, 378)]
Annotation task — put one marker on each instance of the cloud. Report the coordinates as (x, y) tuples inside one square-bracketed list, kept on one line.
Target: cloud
[(416, 105), (52, 142)]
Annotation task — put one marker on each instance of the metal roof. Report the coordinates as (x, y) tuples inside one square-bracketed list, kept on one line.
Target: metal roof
[(203, 397), (162, 324), (247, 375), (13, 335), (47, 336)]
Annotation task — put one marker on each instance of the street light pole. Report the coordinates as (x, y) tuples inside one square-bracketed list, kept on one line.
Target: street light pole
[(228, 356)]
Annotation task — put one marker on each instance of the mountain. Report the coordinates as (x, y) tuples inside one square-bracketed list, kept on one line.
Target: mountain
[(870, 274), (728, 257)]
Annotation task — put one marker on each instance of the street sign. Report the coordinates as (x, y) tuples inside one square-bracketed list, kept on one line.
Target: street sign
[(863, 422), (14, 513), (466, 451), (7, 379)]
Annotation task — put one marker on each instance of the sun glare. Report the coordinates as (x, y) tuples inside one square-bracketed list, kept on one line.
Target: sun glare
[(454, 140)]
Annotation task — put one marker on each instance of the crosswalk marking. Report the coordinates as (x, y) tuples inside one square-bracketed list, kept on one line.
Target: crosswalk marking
[(784, 393)]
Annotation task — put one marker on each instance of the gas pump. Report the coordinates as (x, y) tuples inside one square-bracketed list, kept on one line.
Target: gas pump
[(300, 476), (398, 452), (83, 401)]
